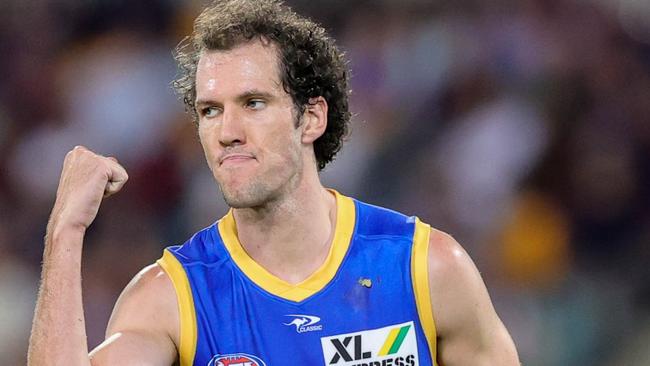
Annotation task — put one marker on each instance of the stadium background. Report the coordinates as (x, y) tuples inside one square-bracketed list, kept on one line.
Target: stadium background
[(522, 127)]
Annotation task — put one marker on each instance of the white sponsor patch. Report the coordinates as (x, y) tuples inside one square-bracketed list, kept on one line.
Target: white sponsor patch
[(304, 323), (394, 345)]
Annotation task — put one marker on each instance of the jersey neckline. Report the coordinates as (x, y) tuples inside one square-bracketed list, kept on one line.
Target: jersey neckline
[(345, 223)]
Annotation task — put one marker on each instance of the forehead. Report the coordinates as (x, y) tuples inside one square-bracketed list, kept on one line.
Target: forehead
[(252, 65)]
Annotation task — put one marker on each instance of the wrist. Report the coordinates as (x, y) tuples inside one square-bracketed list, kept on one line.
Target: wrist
[(58, 233), (63, 221)]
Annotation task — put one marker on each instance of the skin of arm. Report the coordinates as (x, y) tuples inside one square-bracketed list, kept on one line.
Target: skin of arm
[(469, 330), (143, 329), (58, 331)]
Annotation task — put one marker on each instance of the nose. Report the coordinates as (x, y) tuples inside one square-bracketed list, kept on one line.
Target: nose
[(232, 131)]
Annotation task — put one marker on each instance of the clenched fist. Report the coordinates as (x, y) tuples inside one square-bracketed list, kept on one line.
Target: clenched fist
[(86, 179)]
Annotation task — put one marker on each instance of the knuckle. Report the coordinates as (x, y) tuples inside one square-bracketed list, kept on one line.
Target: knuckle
[(73, 152), (79, 152)]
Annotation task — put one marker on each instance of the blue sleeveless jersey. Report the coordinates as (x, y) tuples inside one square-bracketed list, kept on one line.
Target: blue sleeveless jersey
[(367, 305)]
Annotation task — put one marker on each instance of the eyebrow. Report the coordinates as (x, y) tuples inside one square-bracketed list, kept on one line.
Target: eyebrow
[(248, 94)]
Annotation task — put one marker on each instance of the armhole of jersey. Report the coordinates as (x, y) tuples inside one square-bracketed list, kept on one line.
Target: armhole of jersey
[(420, 279), (188, 331)]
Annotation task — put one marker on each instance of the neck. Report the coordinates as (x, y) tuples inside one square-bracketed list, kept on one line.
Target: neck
[(291, 236)]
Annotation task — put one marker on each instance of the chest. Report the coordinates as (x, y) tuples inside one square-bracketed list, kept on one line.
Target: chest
[(365, 315)]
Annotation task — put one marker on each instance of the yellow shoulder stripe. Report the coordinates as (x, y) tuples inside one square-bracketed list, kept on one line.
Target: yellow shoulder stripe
[(176, 273), (420, 279)]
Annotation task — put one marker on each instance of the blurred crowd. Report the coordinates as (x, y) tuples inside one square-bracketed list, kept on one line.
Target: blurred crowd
[(521, 127)]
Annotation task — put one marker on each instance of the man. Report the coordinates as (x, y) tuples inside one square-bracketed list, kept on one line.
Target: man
[(294, 274)]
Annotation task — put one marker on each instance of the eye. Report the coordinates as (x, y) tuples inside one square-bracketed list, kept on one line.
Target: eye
[(210, 112), (255, 104)]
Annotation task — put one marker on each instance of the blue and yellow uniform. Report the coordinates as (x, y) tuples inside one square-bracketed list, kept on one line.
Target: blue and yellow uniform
[(368, 304)]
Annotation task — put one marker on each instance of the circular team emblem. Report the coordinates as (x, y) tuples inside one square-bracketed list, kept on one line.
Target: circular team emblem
[(236, 359)]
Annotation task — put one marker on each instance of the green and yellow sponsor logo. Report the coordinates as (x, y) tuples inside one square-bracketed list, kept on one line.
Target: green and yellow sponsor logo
[(394, 340), (393, 345)]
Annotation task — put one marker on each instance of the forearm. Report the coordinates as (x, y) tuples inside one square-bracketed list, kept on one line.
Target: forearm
[(58, 332)]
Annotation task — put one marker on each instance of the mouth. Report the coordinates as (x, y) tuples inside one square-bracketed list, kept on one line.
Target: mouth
[(235, 158)]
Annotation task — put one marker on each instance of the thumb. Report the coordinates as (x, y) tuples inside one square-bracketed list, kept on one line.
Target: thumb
[(117, 177)]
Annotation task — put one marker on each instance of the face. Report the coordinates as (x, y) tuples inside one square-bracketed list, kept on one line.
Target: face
[(247, 124)]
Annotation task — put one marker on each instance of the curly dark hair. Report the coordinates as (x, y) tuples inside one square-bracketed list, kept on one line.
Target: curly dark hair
[(310, 63)]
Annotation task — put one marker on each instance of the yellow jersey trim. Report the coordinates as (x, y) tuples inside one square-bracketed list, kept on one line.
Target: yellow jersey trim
[(420, 279), (344, 227), (176, 273)]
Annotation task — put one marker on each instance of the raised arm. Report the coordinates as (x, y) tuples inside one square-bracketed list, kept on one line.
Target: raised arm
[(469, 330), (58, 332)]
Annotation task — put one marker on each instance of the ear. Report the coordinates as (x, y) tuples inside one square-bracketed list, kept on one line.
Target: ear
[(314, 120)]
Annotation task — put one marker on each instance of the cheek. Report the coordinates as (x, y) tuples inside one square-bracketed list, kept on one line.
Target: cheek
[(206, 144), (282, 145)]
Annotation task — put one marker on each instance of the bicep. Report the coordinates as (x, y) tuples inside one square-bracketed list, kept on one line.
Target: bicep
[(469, 330), (134, 347), (143, 327)]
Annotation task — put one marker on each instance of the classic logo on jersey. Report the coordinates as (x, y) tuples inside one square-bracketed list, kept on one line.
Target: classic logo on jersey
[(394, 345), (236, 359), (304, 323)]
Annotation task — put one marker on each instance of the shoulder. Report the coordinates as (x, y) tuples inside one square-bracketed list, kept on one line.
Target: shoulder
[(147, 302), (446, 257), (456, 287), (151, 280), (143, 328), (468, 328)]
